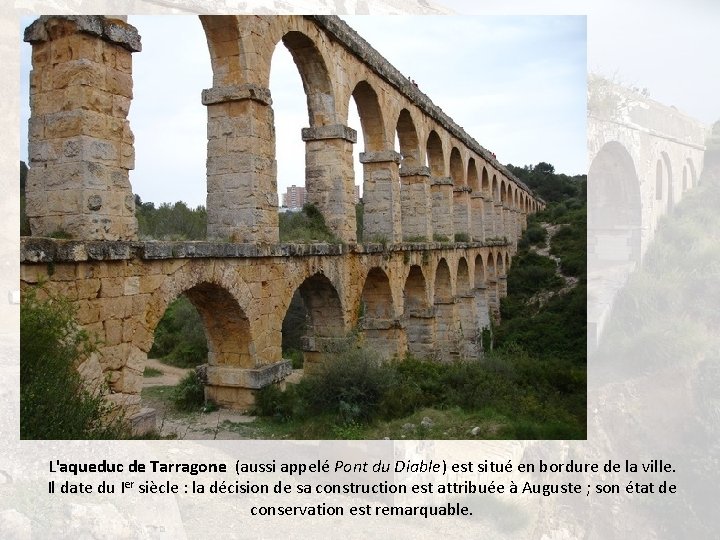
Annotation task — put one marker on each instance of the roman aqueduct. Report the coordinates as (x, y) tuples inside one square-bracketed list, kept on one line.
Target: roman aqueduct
[(644, 156), (442, 216)]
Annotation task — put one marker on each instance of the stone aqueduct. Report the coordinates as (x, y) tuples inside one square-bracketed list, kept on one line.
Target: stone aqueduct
[(442, 216), (643, 157)]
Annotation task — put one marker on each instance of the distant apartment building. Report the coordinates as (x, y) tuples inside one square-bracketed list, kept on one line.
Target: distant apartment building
[(294, 197)]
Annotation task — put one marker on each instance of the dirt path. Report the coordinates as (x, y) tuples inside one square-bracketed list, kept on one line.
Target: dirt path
[(171, 375), (570, 281)]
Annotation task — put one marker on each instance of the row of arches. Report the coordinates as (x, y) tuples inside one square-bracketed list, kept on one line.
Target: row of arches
[(626, 201), (411, 162), (433, 310), (423, 176)]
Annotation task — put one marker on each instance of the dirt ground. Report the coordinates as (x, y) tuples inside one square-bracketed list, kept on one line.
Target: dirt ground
[(219, 424)]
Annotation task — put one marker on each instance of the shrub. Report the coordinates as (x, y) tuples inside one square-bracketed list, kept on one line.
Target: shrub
[(462, 237), (535, 234), (189, 394), (306, 226), (54, 404), (349, 385)]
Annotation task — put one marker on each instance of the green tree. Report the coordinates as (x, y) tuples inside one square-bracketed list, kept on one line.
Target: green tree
[(54, 404)]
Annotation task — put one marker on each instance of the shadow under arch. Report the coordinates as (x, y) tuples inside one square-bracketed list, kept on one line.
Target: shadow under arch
[(380, 331), (324, 322), (418, 315)]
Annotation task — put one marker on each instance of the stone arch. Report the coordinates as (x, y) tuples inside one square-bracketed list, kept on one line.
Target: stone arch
[(693, 173), (479, 273), (224, 44), (485, 183), (435, 155), (315, 78), (227, 328), (415, 293), (495, 189), (481, 296), (457, 171), (418, 318), (472, 176), (614, 202), (371, 117), (669, 179), (325, 323), (499, 265), (379, 329), (462, 283), (445, 313), (408, 138), (491, 275), (443, 282), (376, 295), (507, 262), (490, 270)]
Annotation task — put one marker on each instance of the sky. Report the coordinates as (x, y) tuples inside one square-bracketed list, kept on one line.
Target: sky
[(515, 83)]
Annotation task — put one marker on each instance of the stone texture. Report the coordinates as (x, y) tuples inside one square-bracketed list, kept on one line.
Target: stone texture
[(80, 148)]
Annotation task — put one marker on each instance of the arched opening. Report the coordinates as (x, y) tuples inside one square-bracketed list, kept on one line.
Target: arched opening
[(669, 179), (485, 187), (446, 331), (491, 275), (481, 297), (226, 342), (461, 198), (434, 154), (443, 286), (376, 296), (294, 330), (380, 333), (441, 190), (463, 277), (288, 95), (614, 207), (659, 181), (692, 174), (456, 168), (418, 315), (476, 202), (317, 301), (380, 193), (407, 137), (415, 206), (466, 314)]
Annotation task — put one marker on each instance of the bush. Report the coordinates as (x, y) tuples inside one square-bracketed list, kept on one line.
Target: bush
[(462, 237), (349, 385), (189, 394), (305, 227), (535, 234), (53, 401)]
